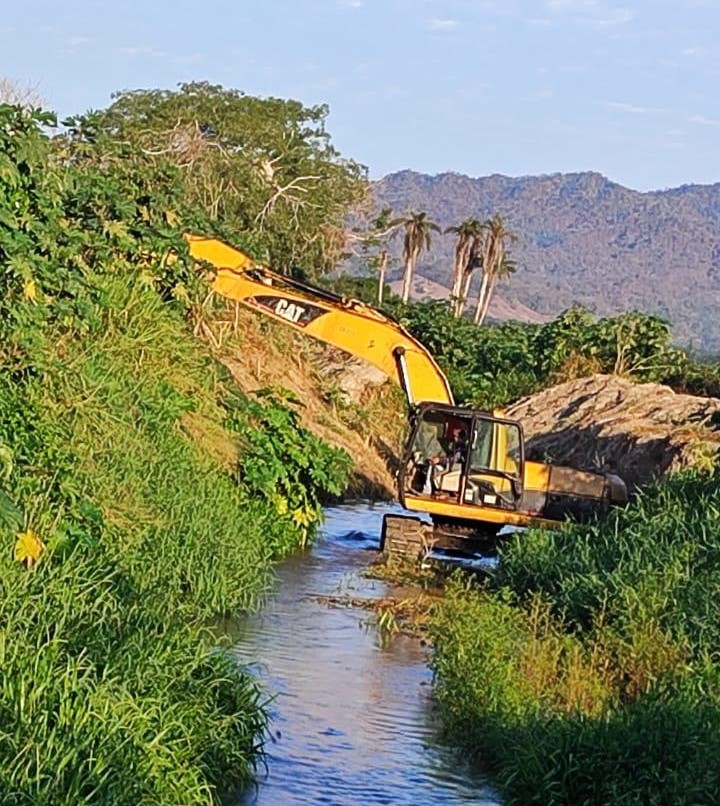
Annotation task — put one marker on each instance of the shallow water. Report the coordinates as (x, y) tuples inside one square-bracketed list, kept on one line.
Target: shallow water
[(352, 721)]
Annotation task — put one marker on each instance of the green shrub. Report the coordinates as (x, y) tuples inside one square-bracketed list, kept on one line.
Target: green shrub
[(284, 463), (495, 364)]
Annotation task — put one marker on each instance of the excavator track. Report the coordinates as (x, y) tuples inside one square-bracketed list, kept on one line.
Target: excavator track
[(411, 539), (406, 538)]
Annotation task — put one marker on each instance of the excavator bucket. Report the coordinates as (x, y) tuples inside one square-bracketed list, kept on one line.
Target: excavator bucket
[(218, 253)]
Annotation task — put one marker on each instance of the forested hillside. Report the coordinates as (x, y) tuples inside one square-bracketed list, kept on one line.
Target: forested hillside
[(584, 239)]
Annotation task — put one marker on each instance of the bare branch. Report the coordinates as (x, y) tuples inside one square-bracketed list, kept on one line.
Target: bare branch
[(13, 93), (284, 193)]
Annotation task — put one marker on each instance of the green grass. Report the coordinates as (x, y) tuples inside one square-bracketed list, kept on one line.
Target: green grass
[(161, 493), (586, 670), (120, 451), (101, 703)]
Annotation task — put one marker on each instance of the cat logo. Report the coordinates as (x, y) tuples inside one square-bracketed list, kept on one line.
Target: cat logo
[(296, 312), (289, 310)]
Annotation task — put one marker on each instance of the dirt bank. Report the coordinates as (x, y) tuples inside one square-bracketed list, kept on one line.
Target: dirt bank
[(639, 431), (343, 400)]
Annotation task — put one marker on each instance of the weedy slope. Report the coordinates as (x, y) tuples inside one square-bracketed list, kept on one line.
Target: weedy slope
[(141, 494)]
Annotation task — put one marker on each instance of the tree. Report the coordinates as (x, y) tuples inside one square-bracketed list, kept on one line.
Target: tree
[(382, 264), (476, 261), (417, 237), (259, 170), (496, 265), (469, 238), (376, 238)]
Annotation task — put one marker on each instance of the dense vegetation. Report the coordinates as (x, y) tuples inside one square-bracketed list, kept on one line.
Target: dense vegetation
[(587, 670), (491, 366), (583, 239), (141, 494)]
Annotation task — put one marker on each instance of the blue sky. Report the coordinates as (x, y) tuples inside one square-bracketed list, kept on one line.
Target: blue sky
[(628, 88)]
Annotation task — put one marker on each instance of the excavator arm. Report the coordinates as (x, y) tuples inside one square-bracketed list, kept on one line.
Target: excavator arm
[(347, 324)]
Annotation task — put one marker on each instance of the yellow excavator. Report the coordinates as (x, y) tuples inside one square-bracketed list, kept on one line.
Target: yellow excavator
[(464, 469)]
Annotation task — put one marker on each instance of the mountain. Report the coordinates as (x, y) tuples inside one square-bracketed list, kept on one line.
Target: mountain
[(583, 239)]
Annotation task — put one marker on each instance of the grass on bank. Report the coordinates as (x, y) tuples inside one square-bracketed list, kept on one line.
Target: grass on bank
[(586, 671), (121, 451), (158, 492)]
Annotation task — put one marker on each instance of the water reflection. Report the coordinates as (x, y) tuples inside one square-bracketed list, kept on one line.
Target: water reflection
[(352, 722)]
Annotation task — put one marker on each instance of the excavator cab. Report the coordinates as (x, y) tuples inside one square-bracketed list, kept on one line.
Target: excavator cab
[(468, 458)]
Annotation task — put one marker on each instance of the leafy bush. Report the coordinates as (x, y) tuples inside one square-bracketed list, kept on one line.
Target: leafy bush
[(493, 365), (283, 462)]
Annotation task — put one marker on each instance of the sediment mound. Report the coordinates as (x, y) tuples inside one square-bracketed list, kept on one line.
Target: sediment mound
[(606, 423)]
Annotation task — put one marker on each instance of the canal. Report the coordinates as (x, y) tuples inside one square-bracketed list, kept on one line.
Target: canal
[(352, 717)]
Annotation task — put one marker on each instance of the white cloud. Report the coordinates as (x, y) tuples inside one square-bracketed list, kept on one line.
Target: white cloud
[(351, 3), (540, 95), (704, 121), (592, 12), (136, 51), (190, 58), (613, 17), (633, 108), (442, 25)]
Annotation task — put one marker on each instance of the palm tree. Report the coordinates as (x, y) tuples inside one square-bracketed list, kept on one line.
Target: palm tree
[(469, 236), (495, 264), (417, 237), (374, 239), (382, 263), (503, 271), (476, 261)]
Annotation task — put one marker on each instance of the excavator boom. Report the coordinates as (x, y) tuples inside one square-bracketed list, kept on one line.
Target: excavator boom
[(347, 324)]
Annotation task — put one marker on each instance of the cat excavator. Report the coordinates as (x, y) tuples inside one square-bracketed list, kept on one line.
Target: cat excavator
[(465, 470)]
